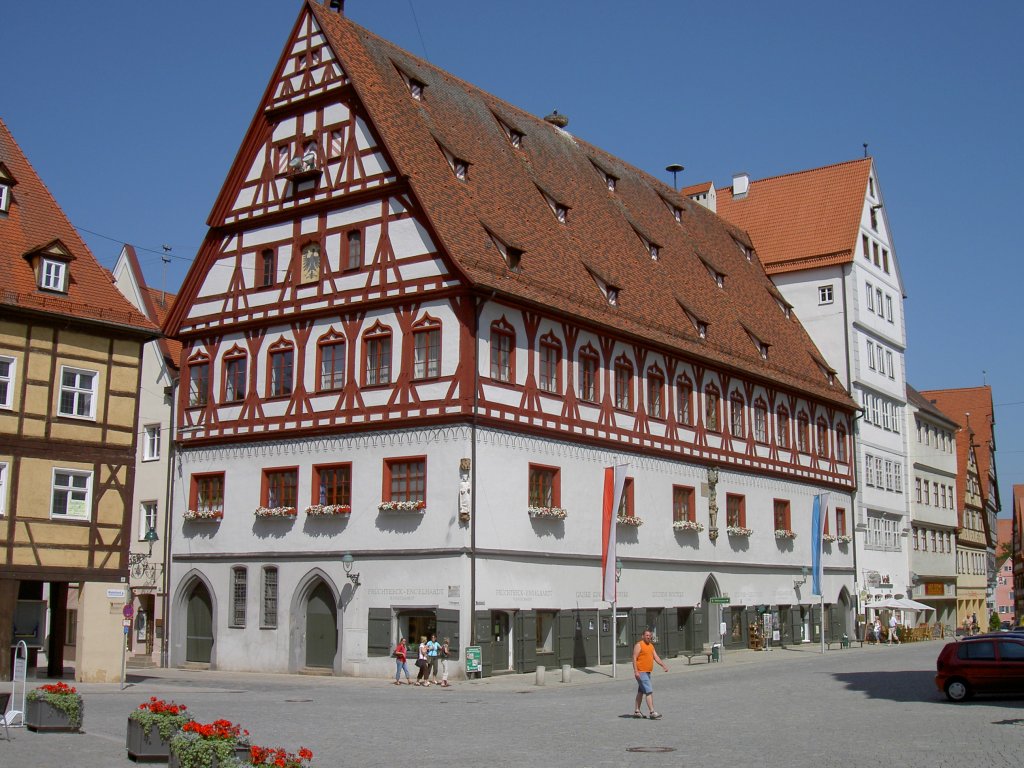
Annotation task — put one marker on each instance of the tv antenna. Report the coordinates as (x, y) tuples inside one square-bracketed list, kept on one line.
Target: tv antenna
[(165, 257)]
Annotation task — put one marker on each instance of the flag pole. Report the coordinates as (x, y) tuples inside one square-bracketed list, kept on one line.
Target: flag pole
[(615, 636)]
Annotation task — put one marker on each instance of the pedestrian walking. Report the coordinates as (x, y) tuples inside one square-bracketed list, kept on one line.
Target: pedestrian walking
[(401, 656), (444, 653), (877, 630), (422, 663), (644, 658), (433, 649), (893, 629)]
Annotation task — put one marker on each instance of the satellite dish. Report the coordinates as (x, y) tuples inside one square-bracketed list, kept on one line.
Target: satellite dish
[(872, 579)]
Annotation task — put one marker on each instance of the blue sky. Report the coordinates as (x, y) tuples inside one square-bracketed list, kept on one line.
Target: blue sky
[(132, 114)]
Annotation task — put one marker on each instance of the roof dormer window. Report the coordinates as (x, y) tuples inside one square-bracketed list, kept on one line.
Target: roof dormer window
[(610, 292), (610, 181), (461, 168), (513, 256), (612, 295), (746, 250), (561, 210), (53, 275), (5, 198), (652, 248), (699, 325), (717, 276), (416, 89), (677, 214)]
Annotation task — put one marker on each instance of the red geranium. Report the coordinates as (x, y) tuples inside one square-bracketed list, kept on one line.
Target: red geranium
[(61, 689), (279, 758), (218, 729), (161, 707)]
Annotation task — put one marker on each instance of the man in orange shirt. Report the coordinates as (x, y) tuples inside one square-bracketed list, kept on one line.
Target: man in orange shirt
[(644, 657)]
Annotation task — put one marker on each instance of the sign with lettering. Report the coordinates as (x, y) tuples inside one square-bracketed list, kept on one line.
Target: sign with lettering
[(935, 588), (474, 660)]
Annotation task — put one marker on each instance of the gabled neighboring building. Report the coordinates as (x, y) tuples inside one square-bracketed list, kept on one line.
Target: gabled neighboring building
[(933, 507), (422, 324), (150, 495), (976, 443), (70, 348), (824, 238)]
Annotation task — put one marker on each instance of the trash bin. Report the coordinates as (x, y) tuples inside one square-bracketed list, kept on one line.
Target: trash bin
[(845, 642), (716, 652)]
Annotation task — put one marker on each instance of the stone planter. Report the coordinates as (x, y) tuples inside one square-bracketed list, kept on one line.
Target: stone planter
[(241, 754), (146, 746), (41, 717)]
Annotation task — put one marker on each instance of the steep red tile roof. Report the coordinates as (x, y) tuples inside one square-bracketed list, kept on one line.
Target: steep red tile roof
[(972, 407), (504, 195), (926, 405), (695, 189), (35, 220), (157, 306), (802, 220)]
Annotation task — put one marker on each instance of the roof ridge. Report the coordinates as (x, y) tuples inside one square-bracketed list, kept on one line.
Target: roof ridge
[(830, 166)]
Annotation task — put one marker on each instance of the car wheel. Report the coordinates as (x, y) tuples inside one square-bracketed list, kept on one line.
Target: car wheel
[(957, 690)]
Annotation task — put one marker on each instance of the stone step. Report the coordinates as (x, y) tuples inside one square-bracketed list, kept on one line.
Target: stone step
[(140, 662)]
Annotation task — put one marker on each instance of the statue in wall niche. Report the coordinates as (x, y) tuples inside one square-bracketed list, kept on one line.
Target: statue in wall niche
[(713, 502), (465, 491)]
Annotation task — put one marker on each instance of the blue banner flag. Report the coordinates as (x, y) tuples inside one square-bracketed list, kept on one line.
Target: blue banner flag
[(817, 528)]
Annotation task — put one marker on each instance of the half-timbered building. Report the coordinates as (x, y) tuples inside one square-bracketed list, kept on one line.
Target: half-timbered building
[(420, 326), (69, 373)]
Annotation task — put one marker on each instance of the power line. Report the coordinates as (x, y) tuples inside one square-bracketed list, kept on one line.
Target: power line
[(160, 253)]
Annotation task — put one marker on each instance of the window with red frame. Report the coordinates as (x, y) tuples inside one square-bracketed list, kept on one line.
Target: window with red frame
[(682, 504), (735, 510), (280, 488), (544, 486), (267, 268), (550, 364), (711, 409), (840, 521), (426, 343), (355, 249), (684, 401), (198, 382), (782, 521), (207, 493), (802, 428), (655, 393), (588, 362), (737, 423), (331, 363), (282, 362), (503, 339), (782, 434), (821, 437), (840, 444), (234, 376), (377, 348), (760, 422), (623, 385), (332, 484), (405, 479), (626, 502)]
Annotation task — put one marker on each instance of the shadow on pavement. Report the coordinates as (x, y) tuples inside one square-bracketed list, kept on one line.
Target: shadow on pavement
[(913, 685)]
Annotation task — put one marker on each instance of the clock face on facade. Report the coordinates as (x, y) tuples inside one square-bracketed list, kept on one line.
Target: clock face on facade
[(310, 264)]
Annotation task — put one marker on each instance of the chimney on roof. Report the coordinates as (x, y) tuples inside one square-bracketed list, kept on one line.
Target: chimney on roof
[(740, 184), (337, 5), (557, 120)]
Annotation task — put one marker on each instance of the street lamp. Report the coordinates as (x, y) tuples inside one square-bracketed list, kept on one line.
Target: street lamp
[(618, 570), (346, 562), (137, 558), (803, 577)]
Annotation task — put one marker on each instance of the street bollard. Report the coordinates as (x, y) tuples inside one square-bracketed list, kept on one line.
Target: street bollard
[(566, 673), (540, 675)]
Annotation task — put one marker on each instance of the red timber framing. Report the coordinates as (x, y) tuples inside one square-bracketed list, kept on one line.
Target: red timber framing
[(408, 274)]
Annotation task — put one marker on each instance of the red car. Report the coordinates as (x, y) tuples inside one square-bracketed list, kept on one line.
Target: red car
[(992, 664)]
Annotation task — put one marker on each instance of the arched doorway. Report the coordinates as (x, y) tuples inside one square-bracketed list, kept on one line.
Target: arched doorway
[(199, 624), (321, 628)]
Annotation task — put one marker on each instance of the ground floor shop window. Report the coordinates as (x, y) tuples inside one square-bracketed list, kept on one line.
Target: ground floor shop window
[(546, 621)]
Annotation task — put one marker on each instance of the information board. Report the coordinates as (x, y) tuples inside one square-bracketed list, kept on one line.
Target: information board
[(474, 660)]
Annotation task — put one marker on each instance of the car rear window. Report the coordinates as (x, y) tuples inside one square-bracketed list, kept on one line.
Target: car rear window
[(978, 650), (1011, 651)]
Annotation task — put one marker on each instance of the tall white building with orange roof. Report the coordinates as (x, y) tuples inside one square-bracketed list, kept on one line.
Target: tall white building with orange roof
[(824, 238)]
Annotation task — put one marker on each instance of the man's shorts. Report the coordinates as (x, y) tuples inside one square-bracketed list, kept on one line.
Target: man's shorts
[(644, 683)]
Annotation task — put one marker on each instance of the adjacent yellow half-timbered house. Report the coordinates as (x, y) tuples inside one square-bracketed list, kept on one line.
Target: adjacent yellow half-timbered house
[(70, 348)]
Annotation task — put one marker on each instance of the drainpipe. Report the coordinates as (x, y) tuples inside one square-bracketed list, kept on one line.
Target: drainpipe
[(171, 457), (480, 303)]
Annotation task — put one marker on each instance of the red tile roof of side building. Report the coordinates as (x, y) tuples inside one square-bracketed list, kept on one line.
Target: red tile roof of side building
[(502, 195), (802, 220), (157, 306), (695, 189), (35, 220)]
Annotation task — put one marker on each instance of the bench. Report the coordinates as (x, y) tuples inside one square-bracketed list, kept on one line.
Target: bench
[(705, 651)]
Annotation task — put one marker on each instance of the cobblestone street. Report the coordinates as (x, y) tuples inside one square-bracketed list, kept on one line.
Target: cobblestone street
[(789, 708)]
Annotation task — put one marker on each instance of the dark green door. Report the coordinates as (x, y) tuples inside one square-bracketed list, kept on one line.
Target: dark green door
[(199, 625), (321, 628), (501, 622)]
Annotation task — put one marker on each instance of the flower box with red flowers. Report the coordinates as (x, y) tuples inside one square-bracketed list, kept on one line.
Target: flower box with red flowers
[(54, 708), (209, 745), (150, 728), (277, 757)]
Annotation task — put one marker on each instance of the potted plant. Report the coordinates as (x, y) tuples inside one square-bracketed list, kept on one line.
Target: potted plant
[(278, 757), (738, 530), (402, 506), (688, 525), (784, 533), (289, 512), (220, 744), (630, 520), (150, 728), (547, 513), (328, 510), (56, 707), (204, 515)]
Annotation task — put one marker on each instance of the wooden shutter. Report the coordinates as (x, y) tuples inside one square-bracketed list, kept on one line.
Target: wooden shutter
[(525, 652), (378, 635), (448, 626)]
